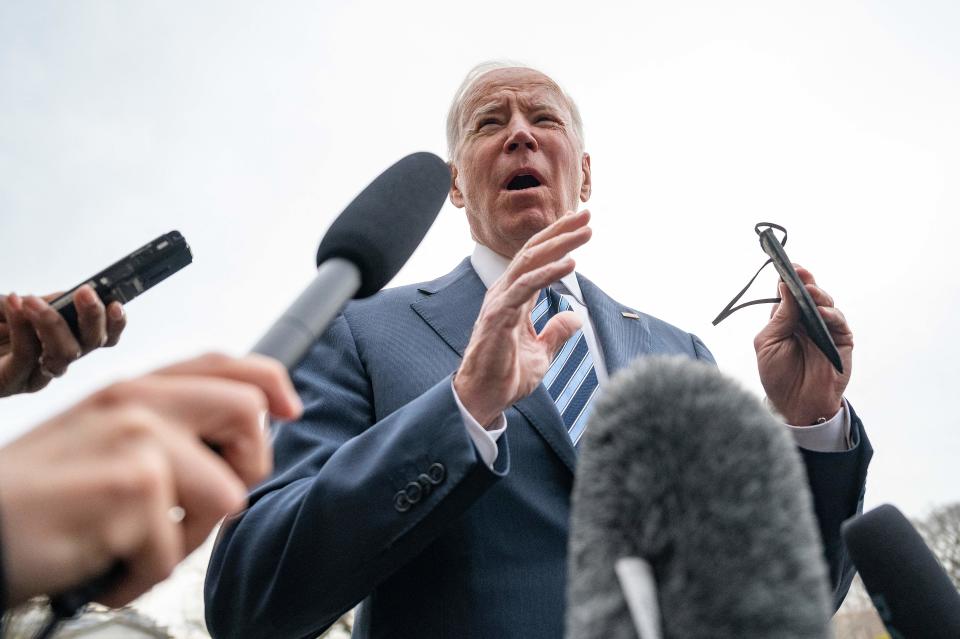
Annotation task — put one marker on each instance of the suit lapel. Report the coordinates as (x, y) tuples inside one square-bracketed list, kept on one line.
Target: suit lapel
[(621, 338), (452, 304), (450, 307), (539, 409)]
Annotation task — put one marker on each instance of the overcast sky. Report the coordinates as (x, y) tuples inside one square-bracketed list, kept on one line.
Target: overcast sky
[(249, 125)]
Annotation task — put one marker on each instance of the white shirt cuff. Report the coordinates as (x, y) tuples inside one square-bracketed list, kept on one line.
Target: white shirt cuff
[(832, 436), (485, 440)]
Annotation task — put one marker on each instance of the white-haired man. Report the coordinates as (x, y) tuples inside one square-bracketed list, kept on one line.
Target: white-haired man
[(431, 472)]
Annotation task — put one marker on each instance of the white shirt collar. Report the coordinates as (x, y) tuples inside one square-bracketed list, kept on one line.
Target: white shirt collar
[(490, 265)]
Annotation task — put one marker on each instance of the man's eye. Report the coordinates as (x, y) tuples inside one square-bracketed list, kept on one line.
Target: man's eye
[(486, 122), (546, 118)]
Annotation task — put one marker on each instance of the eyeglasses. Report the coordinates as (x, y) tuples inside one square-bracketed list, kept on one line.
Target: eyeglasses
[(730, 308), (810, 317)]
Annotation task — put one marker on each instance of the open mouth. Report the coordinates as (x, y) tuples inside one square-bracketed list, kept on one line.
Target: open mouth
[(523, 181)]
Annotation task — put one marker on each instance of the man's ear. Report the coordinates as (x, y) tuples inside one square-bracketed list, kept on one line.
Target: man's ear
[(456, 195), (585, 186)]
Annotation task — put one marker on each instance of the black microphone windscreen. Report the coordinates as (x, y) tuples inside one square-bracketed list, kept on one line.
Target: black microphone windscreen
[(911, 591), (681, 467), (385, 223)]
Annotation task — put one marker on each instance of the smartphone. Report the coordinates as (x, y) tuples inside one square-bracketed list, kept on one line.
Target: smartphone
[(809, 315), (126, 279)]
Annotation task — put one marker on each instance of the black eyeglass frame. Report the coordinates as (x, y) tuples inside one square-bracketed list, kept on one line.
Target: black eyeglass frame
[(810, 317)]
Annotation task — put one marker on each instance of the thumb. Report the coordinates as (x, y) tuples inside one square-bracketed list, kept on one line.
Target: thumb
[(558, 330)]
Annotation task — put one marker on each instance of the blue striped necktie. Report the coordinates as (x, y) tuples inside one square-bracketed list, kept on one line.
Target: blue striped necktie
[(571, 379)]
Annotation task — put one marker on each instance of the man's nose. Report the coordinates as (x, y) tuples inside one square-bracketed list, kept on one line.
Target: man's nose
[(520, 136)]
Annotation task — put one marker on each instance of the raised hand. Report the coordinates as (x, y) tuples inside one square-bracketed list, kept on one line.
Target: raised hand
[(798, 379), (506, 359)]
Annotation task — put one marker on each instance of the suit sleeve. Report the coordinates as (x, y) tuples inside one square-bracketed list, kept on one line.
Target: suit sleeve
[(351, 501), (837, 483)]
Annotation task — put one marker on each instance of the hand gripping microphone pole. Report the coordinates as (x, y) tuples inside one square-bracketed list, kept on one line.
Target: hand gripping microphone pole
[(363, 249)]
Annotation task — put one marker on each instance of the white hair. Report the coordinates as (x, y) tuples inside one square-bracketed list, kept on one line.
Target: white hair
[(455, 115)]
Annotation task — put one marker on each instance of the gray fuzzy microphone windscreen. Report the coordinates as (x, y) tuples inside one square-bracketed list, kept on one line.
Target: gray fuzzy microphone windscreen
[(683, 468)]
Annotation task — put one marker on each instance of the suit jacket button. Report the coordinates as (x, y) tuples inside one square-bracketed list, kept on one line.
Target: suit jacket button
[(425, 483), (401, 503), (436, 473), (413, 492)]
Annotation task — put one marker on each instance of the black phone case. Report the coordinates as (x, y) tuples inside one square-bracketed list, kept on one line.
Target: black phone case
[(809, 315)]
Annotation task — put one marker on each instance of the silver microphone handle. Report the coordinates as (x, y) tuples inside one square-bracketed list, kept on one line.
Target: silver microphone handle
[(291, 336)]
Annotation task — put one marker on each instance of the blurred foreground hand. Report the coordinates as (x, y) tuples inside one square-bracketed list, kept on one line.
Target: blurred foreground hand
[(127, 474)]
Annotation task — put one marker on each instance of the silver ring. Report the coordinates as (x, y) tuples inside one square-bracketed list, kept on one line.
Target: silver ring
[(176, 514)]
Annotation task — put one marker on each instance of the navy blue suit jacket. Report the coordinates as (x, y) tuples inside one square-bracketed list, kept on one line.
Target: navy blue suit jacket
[(379, 494)]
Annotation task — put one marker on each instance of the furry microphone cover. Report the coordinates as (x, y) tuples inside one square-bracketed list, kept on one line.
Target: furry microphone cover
[(682, 467)]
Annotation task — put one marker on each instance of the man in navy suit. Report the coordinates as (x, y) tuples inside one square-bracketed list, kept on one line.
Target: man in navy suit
[(430, 474)]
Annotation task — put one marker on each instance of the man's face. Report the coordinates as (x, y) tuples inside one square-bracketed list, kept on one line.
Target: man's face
[(519, 166)]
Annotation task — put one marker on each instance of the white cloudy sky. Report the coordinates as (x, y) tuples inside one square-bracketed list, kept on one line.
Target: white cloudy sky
[(248, 125)]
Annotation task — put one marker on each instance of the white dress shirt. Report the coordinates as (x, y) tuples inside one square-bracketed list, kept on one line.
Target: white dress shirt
[(830, 436)]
